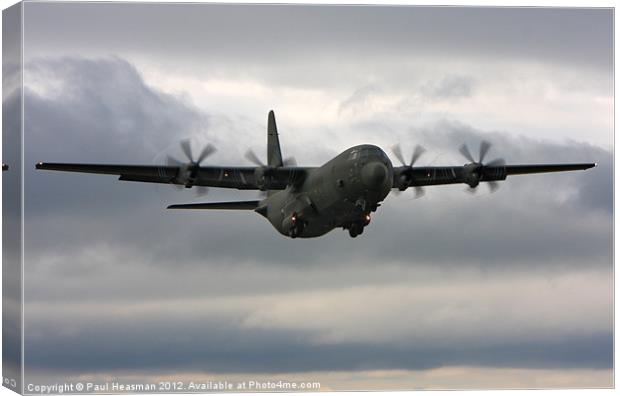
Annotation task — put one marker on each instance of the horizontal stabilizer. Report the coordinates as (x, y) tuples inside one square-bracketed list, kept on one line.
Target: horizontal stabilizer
[(238, 205)]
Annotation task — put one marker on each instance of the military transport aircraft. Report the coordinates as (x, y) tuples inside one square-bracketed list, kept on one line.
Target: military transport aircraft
[(309, 202)]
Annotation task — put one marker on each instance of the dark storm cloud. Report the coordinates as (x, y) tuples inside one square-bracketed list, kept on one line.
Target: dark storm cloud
[(91, 238), (281, 33), (106, 103), (130, 342), (100, 111)]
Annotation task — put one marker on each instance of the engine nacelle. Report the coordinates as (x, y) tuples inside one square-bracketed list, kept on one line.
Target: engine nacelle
[(403, 181), (186, 175), (473, 174), (262, 177)]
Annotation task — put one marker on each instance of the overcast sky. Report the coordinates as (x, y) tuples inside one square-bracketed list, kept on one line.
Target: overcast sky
[(511, 289)]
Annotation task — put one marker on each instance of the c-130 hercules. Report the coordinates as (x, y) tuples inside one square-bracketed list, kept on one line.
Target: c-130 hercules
[(308, 202)]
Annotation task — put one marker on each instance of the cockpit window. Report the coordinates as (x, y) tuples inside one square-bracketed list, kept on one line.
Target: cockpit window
[(366, 152)]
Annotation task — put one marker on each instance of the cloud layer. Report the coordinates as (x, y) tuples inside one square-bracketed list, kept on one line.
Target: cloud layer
[(518, 280)]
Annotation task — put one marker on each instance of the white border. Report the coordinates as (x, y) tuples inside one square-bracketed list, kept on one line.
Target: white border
[(482, 3)]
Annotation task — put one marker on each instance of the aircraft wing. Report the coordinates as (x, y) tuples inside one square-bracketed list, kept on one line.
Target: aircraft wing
[(406, 176), (238, 177)]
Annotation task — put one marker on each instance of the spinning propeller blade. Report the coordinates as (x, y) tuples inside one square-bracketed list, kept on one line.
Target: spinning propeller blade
[(417, 153), (476, 173)]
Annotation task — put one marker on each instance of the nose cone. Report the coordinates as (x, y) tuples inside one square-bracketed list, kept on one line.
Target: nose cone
[(374, 175)]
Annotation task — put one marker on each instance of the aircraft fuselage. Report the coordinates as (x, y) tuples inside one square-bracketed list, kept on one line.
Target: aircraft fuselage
[(341, 193)]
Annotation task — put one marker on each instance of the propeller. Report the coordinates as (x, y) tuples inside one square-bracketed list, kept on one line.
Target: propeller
[(251, 156), (188, 170), (475, 170), (406, 176), (263, 171)]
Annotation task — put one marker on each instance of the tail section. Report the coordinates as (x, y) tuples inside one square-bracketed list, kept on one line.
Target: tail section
[(274, 155)]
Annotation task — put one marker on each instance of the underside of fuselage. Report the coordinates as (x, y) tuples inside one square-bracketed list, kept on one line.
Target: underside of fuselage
[(340, 194)]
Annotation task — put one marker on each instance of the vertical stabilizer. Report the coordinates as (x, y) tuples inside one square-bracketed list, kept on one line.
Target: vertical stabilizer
[(274, 155)]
